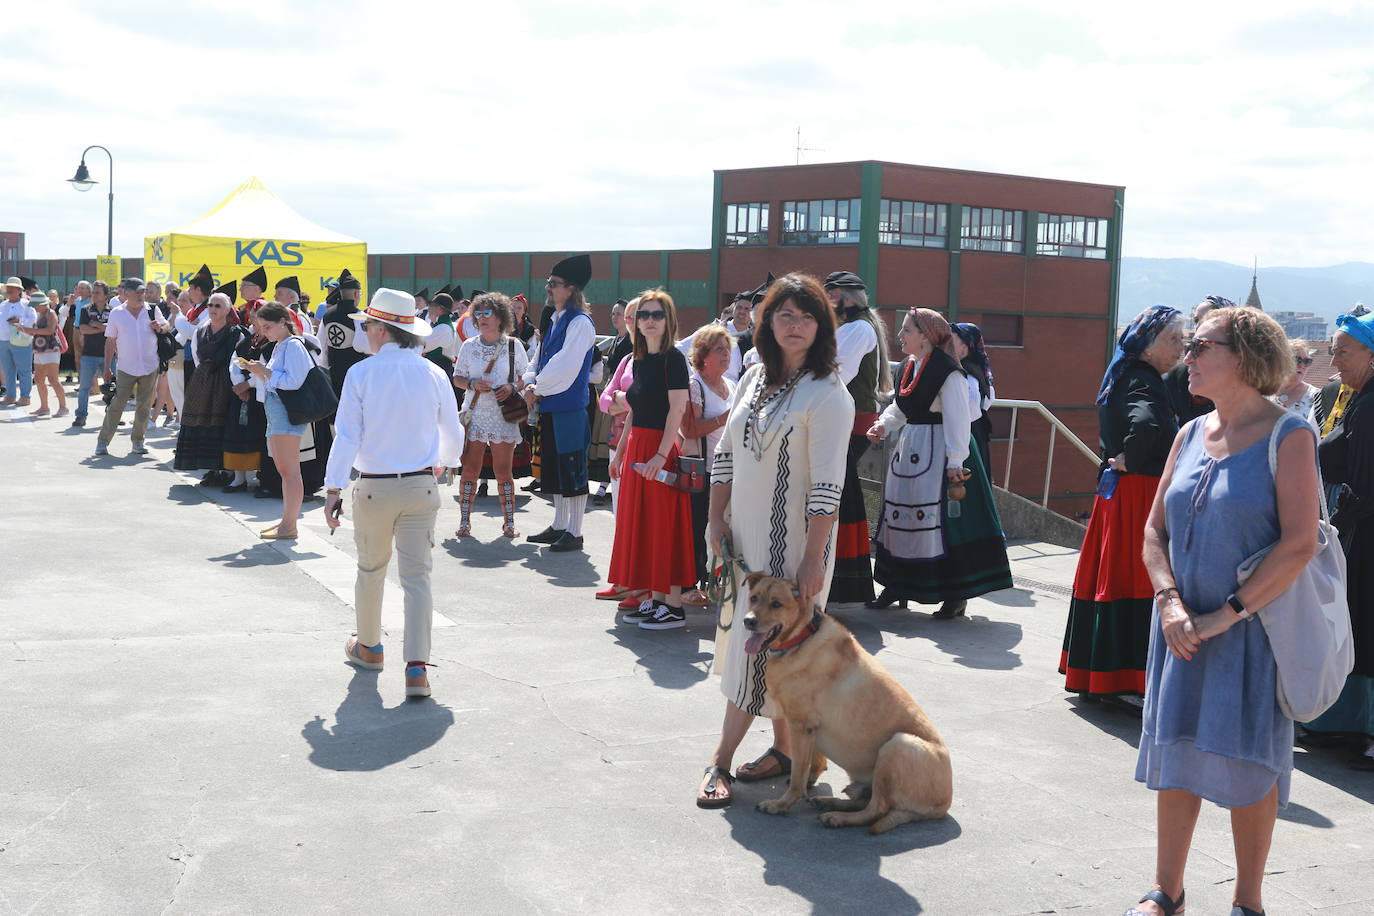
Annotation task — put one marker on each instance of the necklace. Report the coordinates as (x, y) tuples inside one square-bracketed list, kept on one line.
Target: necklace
[(762, 426), (908, 384)]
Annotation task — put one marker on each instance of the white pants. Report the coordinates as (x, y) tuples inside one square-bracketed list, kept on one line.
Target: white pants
[(176, 382)]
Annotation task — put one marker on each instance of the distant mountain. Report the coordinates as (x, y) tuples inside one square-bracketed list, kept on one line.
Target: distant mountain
[(1181, 282)]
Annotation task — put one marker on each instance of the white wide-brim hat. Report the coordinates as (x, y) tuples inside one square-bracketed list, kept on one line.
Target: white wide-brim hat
[(396, 308)]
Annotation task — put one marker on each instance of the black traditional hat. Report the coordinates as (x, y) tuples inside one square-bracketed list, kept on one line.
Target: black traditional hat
[(333, 297), (620, 302), (29, 283), (290, 283), (203, 280), (446, 290), (843, 279), (761, 290), (456, 292), (348, 281), (258, 278), (475, 294), (230, 289), (575, 271), (423, 294)]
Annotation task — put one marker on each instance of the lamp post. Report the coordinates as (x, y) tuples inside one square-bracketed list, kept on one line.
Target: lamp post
[(82, 181)]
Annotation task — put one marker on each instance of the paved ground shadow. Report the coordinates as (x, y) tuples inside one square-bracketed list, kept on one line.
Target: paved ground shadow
[(367, 736), (675, 659), (837, 870), (974, 641), (260, 554)]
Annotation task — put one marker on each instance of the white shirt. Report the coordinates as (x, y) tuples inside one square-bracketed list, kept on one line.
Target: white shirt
[(732, 371), (711, 407), (396, 414), (853, 341), (20, 310), (289, 365), (443, 338), (137, 344), (564, 366), (953, 404), (752, 358)]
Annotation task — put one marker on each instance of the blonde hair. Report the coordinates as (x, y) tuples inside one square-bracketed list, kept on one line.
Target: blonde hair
[(1264, 350), (1301, 350), (704, 340)]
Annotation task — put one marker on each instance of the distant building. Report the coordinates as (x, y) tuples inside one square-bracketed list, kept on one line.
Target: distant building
[(1253, 300), (1302, 325), (12, 246)]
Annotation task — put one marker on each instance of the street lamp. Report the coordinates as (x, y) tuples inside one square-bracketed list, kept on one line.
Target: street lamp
[(82, 181)]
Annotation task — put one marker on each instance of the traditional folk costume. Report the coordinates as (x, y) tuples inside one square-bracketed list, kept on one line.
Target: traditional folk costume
[(245, 427), (930, 548), (785, 466), (561, 381), (200, 441), (1107, 638), (495, 363), (981, 390), (857, 354), (345, 346)]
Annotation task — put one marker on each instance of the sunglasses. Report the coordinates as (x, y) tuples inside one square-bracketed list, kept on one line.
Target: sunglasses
[(552, 282), (1304, 362), (651, 316), (484, 313), (1199, 345)]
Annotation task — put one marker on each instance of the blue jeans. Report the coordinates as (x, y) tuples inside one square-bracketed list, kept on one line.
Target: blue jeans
[(91, 368), (17, 364)]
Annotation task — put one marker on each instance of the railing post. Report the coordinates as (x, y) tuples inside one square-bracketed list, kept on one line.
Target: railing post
[(1011, 444), (1049, 468)]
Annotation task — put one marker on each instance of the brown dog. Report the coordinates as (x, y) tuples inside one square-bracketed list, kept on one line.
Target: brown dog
[(839, 701)]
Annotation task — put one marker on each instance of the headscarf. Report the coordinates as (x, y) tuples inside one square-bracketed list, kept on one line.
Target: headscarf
[(972, 336), (1139, 334), (934, 326), (1361, 328)]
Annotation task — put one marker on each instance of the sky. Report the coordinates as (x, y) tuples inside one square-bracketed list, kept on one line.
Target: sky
[(1239, 131)]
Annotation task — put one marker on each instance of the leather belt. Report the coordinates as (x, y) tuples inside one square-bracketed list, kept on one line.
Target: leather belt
[(395, 476)]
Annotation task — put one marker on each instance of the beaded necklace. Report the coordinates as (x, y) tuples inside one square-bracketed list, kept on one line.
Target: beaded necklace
[(908, 383), (757, 424)]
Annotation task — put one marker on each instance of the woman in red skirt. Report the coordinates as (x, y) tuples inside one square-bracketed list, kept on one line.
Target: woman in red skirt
[(1108, 633), (653, 531)]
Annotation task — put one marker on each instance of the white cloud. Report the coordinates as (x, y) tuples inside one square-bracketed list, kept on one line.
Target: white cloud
[(466, 127)]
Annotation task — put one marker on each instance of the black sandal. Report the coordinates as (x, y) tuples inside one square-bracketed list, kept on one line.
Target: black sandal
[(784, 767), (707, 798), (1157, 896)]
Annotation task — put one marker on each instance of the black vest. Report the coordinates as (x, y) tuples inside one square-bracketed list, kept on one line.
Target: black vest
[(337, 328), (916, 405)]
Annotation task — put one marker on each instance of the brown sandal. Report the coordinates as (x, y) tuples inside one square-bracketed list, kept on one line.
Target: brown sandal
[(782, 766), (709, 795)]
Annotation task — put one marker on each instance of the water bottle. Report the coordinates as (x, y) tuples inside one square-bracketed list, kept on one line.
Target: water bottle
[(664, 475), (533, 418)]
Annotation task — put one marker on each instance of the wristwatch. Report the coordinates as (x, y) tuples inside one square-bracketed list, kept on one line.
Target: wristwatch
[(1241, 610)]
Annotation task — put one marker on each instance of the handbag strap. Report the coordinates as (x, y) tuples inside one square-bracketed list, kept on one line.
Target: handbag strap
[(1274, 437), (478, 394), (702, 389), (510, 362)]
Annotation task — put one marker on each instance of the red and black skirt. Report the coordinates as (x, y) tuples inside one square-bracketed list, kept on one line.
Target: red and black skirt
[(1108, 633), (853, 578), (653, 524)]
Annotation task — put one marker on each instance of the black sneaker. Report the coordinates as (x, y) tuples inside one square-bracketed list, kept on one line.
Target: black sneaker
[(547, 536), (646, 611), (666, 618), (79, 422), (566, 542)]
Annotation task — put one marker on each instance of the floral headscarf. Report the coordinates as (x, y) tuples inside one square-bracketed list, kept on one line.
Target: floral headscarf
[(972, 336), (934, 326), (1139, 334)]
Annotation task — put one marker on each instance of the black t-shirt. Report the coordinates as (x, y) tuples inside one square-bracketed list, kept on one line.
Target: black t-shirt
[(94, 344), (654, 376)]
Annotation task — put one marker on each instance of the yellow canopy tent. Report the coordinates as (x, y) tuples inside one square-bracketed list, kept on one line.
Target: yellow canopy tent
[(253, 228)]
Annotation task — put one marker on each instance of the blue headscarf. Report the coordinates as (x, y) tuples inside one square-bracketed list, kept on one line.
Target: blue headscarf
[(1361, 328), (972, 336), (1139, 334)]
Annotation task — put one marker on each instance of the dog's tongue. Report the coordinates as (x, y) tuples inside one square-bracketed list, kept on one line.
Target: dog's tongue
[(755, 643)]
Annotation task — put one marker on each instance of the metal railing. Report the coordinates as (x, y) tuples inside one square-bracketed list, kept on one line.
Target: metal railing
[(1056, 426)]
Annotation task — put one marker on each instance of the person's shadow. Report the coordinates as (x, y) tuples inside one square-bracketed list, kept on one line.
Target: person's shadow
[(366, 736), (831, 867)]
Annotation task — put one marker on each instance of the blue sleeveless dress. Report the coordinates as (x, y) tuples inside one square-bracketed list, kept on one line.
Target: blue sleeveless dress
[(1212, 725)]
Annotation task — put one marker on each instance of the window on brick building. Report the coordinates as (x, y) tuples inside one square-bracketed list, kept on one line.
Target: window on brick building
[(1062, 236), (746, 224), (913, 223), (820, 222), (992, 229), (1001, 330)]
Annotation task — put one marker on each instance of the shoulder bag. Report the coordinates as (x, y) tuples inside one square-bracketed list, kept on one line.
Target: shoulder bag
[(314, 400), (1309, 624), (513, 408), (691, 469), (60, 340), (465, 415)]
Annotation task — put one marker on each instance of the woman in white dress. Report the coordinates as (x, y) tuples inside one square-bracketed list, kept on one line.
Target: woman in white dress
[(779, 470), (484, 369)]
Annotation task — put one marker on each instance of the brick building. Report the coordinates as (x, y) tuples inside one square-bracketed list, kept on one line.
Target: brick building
[(1035, 262), (11, 246)]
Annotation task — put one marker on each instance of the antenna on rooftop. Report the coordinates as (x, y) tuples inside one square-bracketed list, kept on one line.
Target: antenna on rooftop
[(804, 149)]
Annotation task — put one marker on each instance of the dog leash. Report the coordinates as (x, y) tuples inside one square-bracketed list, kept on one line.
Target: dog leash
[(723, 588)]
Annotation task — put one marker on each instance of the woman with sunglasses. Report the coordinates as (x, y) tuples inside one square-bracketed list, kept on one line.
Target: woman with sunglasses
[(652, 551), (939, 538), (1108, 630), (483, 369), (1296, 395)]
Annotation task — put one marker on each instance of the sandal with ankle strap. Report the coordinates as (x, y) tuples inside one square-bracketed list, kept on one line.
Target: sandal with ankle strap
[(1166, 904)]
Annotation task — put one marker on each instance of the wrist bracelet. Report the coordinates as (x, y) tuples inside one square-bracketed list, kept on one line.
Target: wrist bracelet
[(1163, 593)]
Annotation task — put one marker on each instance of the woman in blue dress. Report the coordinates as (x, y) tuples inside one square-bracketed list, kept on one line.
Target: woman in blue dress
[(1212, 728)]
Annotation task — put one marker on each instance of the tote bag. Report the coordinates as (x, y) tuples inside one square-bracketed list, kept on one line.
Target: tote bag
[(314, 400), (1309, 624)]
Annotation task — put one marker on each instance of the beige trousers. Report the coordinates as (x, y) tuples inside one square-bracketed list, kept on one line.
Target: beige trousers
[(400, 510), (125, 385)]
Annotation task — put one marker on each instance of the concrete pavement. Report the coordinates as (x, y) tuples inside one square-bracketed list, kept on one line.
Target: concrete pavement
[(182, 735)]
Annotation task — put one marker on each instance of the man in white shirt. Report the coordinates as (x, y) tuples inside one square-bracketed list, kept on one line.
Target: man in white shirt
[(131, 335), (397, 424), (16, 359), (559, 380)]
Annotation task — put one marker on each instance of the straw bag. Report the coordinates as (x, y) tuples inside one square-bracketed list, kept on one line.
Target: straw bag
[(1309, 624)]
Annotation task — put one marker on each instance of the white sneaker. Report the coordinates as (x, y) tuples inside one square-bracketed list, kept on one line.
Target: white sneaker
[(174, 426)]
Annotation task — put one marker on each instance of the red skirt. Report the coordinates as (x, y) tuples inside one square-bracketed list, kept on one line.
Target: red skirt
[(653, 524), (1110, 564)]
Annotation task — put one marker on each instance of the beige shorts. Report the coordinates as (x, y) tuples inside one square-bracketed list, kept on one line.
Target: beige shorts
[(46, 359)]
